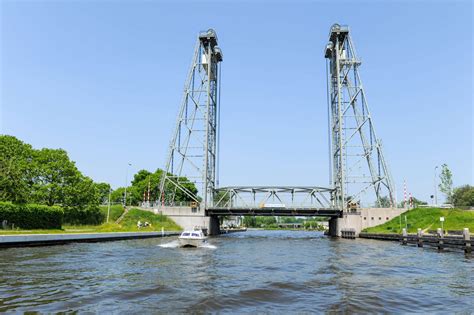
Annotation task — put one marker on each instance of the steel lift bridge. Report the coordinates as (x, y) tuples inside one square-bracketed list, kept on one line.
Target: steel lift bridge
[(358, 167)]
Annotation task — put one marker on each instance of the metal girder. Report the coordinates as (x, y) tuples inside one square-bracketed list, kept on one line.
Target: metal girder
[(353, 159), (299, 212), (357, 164), (268, 197), (192, 153)]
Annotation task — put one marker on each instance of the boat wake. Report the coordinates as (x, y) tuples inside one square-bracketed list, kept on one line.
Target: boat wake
[(172, 244), (175, 244)]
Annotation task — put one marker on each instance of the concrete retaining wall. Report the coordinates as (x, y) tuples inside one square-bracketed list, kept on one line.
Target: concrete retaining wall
[(188, 218), (364, 218), (51, 239)]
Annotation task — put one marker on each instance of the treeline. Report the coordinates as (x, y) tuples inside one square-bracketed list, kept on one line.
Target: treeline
[(48, 177), (271, 222), (145, 187)]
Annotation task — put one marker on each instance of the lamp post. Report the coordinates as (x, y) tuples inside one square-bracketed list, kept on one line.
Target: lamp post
[(108, 207), (435, 189), (126, 183)]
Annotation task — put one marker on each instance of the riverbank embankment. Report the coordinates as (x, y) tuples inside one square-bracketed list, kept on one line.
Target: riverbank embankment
[(58, 239)]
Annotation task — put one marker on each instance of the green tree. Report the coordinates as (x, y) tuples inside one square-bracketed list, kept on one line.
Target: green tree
[(384, 202), (117, 195), (15, 169), (141, 176), (463, 196), (221, 199), (145, 179), (446, 185), (47, 176), (53, 173), (103, 190), (250, 221)]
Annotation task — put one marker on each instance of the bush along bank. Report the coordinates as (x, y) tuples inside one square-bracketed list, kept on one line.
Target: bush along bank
[(83, 215), (31, 216)]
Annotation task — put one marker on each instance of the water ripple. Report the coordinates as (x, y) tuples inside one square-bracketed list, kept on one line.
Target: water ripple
[(256, 271)]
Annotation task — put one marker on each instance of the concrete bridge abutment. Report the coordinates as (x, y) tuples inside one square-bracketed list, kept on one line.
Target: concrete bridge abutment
[(362, 219), (189, 218)]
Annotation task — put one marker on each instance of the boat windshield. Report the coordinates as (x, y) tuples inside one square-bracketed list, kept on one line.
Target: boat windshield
[(185, 234), (195, 235)]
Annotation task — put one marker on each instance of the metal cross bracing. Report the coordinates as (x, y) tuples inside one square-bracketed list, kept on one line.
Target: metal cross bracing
[(283, 196), (273, 200), (192, 155), (357, 163), (358, 167)]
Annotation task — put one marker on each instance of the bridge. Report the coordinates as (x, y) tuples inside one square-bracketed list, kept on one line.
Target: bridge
[(273, 201), (357, 165)]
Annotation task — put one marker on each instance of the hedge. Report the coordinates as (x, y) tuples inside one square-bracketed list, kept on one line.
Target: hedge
[(87, 215), (31, 216)]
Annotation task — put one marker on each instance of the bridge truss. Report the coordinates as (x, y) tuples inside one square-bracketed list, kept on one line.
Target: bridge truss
[(192, 153), (260, 197), (357, 161)]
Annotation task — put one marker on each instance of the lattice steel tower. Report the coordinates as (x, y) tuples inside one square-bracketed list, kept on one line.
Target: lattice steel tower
[(357, 165), (193, 147)]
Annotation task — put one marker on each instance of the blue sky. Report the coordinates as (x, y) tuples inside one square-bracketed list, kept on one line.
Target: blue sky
[(103, 80)]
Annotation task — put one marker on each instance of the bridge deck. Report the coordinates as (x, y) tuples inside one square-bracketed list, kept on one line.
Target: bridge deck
[(300, 212)]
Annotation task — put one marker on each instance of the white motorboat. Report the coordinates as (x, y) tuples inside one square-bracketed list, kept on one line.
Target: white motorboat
[(194, 238)]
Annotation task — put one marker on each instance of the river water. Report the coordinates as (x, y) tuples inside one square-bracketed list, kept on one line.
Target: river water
[(254, 271)]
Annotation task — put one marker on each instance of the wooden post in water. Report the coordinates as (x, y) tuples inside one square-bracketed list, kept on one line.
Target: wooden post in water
[(420, 237), (404, 236), (439, 231), (467, 240)]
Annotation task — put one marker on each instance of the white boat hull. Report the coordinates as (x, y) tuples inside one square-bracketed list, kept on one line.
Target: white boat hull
[(191, 242)]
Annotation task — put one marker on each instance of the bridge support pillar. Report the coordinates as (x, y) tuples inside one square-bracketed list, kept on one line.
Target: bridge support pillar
[(214, 225), (333, 225)]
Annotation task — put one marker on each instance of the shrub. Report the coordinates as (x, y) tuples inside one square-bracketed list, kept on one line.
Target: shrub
[(86, 215), (31, 216)]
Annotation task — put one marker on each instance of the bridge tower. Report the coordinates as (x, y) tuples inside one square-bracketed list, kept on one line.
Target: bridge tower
[(358, 167), (193, 151)]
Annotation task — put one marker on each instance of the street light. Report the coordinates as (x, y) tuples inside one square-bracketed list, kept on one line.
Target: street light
[(435, 189), (126, 184), (108, 207)]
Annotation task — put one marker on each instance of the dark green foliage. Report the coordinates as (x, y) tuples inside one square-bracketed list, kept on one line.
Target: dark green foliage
[(463, 196), (259, 221), (31, 216), (250, 221), (103, 190), (117, 195), (83, 215), (221, 199), (15, 169), (48, 177), (144, 180), (384, 202)]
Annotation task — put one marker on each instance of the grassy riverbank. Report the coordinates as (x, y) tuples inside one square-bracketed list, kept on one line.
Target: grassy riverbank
[(128, 224), (428, 219), (115, 212)]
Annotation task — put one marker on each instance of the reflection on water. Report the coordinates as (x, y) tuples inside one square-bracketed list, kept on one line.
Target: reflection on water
[(266, 271)]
